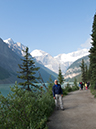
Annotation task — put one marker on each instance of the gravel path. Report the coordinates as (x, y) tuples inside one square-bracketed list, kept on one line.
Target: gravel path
[(79, 113)]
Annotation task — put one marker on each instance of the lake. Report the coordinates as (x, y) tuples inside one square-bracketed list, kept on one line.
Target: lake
[(5, 88)]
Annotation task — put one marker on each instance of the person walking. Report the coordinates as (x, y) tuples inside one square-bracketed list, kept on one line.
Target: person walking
[(79, 86), (86, 85), (57, 95)]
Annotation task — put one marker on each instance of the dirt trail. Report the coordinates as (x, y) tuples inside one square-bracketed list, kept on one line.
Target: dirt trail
[(79, 113)]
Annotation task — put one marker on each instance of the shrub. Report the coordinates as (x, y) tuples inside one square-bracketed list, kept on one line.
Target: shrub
[(68, 88), (75, 88), (24, 109), (64, 92)]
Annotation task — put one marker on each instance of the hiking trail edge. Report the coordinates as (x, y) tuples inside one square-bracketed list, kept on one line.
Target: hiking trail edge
[(79, 113)]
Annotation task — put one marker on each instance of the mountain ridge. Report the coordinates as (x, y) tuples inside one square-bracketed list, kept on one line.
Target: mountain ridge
[(9, 60), (75, 70), (63, 60)]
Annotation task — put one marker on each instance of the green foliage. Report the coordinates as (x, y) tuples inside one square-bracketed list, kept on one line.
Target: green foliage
[(75, 66), (60, 77), (83, 71), (65, 92), (27, 70), (50, 85), (68, 88), (93, 89), (74, 88), (75, 82), (92, 51), (25, 110), (92, 57), (89, 74)]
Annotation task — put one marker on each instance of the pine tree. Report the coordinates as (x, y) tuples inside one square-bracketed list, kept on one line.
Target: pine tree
[(50, 85), (27, 71), (83, 74), (86, 73), (60, 77), (89, 74), (75, 82), (92, 51)]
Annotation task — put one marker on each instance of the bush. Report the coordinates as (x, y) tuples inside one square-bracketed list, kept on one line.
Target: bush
[(68, 88), (64, 92), (24, 109), (75, 88)]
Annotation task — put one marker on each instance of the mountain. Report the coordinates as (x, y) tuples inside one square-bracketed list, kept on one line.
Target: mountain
[(75, 70), (9, 60), (52, 63), (64, 60), (46, 59), (49, 63), (16, 47), (73, 56), (8, 64)]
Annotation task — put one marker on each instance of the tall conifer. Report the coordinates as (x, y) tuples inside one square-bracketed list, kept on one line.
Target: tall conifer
[(83, 73), (28, 71), (86, 73), (60, 77), (92, 51)]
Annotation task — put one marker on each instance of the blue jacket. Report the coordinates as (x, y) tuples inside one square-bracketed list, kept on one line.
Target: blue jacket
[(57, 89)]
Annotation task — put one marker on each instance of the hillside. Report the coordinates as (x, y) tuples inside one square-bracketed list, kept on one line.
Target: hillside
[(9, 61), (4, 73), (74, 70), (64, 60)]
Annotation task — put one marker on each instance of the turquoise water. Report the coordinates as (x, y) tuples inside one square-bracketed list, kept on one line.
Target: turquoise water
[(5, 88)]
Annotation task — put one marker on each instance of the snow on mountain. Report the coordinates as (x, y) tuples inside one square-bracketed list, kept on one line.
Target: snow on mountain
[(73, 56), (37, 53), (46, 59), (64, 60), (16, 47)]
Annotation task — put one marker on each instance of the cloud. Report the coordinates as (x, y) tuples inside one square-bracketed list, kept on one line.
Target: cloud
[(87, 44)]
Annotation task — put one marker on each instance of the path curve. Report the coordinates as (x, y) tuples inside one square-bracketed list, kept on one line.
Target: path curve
[(79, 113)]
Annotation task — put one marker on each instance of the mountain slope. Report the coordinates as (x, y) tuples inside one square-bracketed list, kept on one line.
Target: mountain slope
[(74, 70), (4, 73), (16, 47), (8, 64), (73, 56), (52, 63), (64, 60), (9, 61), (46, 59)]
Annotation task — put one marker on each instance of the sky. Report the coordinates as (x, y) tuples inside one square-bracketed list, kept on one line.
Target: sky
[(53, 26)]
